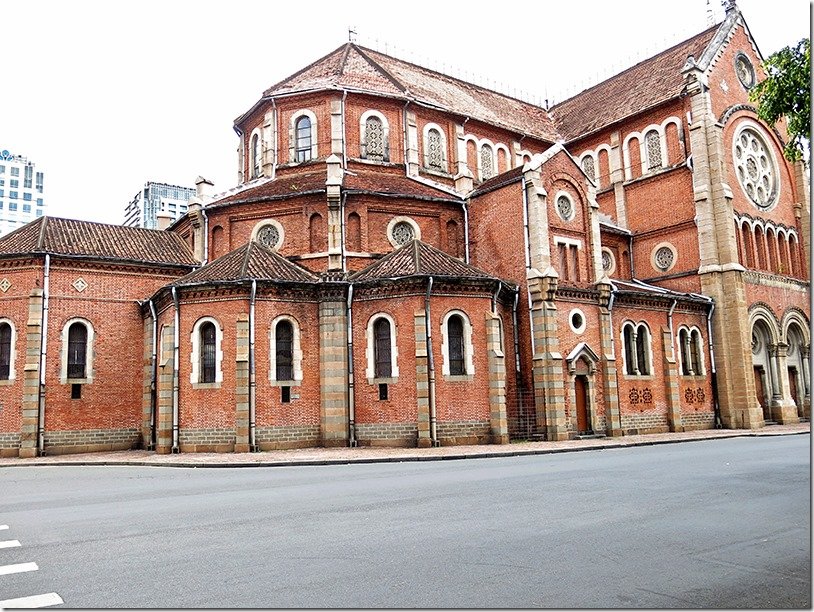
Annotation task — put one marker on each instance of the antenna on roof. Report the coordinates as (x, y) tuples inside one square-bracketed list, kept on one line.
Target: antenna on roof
[(352, 32)]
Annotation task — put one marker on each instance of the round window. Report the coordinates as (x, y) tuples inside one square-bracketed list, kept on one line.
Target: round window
[(403, 232), (564, 207), (745, 71), (664, 258), (268, 236), (576, 320), (755, 167)]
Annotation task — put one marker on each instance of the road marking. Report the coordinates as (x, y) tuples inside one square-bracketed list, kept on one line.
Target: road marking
[(34, 601), (17, 568), (3, 527), (9, 543)]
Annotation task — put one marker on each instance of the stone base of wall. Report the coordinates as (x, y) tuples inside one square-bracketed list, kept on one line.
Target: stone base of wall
[(459, 433), (387, 434), (90, 441), (9, 444), (698, 420), (284, 437), (206, 440), (636, 424)]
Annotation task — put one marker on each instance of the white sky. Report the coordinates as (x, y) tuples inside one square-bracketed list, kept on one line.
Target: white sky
[(104, 96)]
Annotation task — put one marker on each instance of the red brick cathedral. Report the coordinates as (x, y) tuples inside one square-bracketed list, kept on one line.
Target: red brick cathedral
[(409, 259)]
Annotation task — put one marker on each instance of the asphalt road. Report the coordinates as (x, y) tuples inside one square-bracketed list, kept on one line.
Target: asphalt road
[(718, 524)]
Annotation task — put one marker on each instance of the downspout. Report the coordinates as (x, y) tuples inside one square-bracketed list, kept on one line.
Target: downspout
[(252, 373), (351, 389), (342, 229), (176, 338), (611, 300), (465, 206), (430, 366), (344, 130), (43, 343), (516, 337), (153, 376), (242, 154), (670, 325), (276, 140), (205, 237), (716, 406)]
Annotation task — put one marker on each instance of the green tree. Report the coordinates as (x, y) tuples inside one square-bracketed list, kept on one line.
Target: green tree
[(786, 92)]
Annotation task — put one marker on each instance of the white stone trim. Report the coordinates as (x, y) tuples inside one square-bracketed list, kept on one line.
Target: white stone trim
[(656, 249), (296, 350), (362, 132), (399, 219), (13, 351), (261, 224), (691, 331), (259, 161), (568, 241), (370, 370), (649, 353), (292, 135), (469, 364), (63, 367), (577, 329), (195, 353)]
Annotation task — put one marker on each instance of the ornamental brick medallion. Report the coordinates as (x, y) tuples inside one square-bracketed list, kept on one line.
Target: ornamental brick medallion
[(268, 236), (80, 284), (402, 233), (565, 208), (664, 258), (755, 168), (5, 284)]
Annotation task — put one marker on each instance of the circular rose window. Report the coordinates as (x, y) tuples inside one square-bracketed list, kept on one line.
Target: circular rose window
[(754, 165), (565, 208), (745, 70), (664, 258), (403, 232), (269, 236)]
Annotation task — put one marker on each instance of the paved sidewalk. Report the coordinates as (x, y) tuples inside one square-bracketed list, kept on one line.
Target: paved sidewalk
[(327, 456)]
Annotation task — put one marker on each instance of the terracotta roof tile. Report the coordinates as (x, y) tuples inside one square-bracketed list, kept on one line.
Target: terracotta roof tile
[(75, 238), (417, 258), (648, 83), (307, 179), (373, 180), (361, 69), (250, 261)]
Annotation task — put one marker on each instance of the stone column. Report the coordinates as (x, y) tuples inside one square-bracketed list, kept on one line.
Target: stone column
[(333, 186), (242, 385), (496, 361), (337, 132), (163, 419), (422, 379), (613, 421), (31, 382), (671, 386), (333, 371), (411, 154), (147, 382), (784, 409)]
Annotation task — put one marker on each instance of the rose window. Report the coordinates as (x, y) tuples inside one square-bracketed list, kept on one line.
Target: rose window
[(606, 261), (268, 236), (564, 207), (746, 73), (664, 258), (402, 233), (755, 168)]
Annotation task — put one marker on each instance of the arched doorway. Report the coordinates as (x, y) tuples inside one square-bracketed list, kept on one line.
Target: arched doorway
[(797, 364), (762, 366), (581, 404)]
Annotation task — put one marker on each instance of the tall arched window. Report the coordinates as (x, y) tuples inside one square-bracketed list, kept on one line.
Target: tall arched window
[(696, 347), (303, 139), (375, 144), (284, 350), (318, 239), (208, 346), (77, 350), (684, 345), (353, 237), (256, 156), (435, 151), (653, 144), (642, 349), (381, 348), (5, 350), (487, 162), (636, 340), (457, 351)]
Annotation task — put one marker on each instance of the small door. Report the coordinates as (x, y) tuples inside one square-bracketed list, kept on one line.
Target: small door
[(761, 393), (581, 392), (793, 390)]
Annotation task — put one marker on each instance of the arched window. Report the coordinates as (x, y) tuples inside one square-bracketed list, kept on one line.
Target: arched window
[(684, 345), (208, 340), (653, 144), (381, 348), (256, 156), (453, 239), (284, 350), (643, 349), (434, 154), (636, 340), (318, 239), (588, 167), (353, 240), (696, 352), (374, 143), (487, 162), (457, 354), (216, 247), (77, 350), (303, 139), (6, 350)]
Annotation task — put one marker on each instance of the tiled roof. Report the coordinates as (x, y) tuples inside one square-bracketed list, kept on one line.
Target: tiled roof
[(639, 287), (360, 69), (648, 83), (393, 183), (306, 179), (74, 238), (250, 261), (417, 258)]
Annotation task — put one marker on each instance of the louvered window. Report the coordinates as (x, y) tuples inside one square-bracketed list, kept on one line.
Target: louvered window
[(207, 332), (77, 350), (455, 335), (5, 351), (381, 348), (284, 338)]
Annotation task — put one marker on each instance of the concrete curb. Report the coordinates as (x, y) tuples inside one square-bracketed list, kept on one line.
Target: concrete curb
[(485, 454)]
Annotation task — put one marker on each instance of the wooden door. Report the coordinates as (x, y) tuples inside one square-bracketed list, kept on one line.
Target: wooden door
[(581, 392), (793, 390), (761, 393)]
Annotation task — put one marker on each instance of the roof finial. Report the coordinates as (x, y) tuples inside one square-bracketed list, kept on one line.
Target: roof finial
[(729, 5), (352, 34)]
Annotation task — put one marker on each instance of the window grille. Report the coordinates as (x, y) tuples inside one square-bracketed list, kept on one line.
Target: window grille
[(284, 338), (374, 139), (207, 332), (5, 351), (435, 150), (381, 348), (455, 335), (653, 141), (77, 350), (487, 163)]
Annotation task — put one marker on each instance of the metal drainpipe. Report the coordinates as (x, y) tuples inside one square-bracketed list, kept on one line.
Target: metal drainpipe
[(205, 236), (242, 153), (716, 406), (344, 131), (611, 300), (670, 325), (466, 231), (430, 366), (516, 337), (342, 202), (153, 376), (252, 373), (351, 388), (276, 140), (46, 282), (176, 339)]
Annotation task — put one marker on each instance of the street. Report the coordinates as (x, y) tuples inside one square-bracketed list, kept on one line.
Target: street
[(719, 523)]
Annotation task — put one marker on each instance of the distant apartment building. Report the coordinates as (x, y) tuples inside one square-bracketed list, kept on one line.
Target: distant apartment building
[(153, 199), (21, 192)]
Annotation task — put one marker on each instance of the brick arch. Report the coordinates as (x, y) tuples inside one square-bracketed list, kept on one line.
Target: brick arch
[(761, 311), (795, 316)]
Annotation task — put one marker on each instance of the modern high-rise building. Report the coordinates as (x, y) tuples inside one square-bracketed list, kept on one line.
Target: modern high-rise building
[(21, 192), (155, 198)]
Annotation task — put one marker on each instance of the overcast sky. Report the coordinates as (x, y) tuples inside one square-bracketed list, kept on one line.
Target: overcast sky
[(103, 96)]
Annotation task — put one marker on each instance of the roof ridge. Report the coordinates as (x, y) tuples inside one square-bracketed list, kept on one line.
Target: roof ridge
[(244, 267), (417, 255), (41, 237), (380, 68)]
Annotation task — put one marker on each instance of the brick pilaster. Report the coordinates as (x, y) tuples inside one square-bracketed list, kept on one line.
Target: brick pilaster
[(672, 390), (333, 373), (242, 385), (496, 361), (31, 382), (422, 379)]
